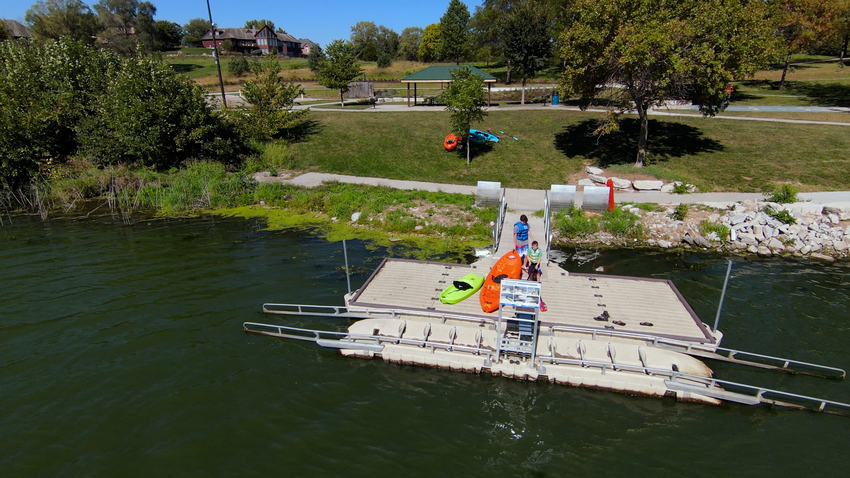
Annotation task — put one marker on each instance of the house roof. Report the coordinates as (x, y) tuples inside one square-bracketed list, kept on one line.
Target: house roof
[(16, 30), (443, 74), (244, 34), (307, 42)]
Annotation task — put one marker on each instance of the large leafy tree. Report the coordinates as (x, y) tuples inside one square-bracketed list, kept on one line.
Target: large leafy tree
[(339, 68), (316, 58), (194, 31), (259, 24), (803, 24), (454, 32), (54, 19), (465, 100), (430, 44), (364, 39), (271, 99), (527, 38), (128, 23), (649, 51), (408, 43)]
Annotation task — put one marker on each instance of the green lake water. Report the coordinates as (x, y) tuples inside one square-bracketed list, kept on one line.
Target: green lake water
[(122, 354)]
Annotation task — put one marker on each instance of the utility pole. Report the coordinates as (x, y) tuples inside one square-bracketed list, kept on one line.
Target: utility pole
[(215, 55)]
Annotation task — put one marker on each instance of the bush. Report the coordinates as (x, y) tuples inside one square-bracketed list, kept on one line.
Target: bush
[(708, 227), (271, 99), (238, 66), (622, 224), (785, 194), (574, 223), (782, 216), (680, 213), (384, 61)]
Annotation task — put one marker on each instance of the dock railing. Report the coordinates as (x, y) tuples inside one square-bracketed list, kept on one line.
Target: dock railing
[(500, 220), (716, 353), (547, 226), (341, 311)]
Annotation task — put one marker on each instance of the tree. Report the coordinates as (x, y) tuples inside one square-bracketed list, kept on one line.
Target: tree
[(527, 39), (168, 35), (339, 68), (259, 24), (364, 38), (430, 44), (408, 43), (464, 99), (387, 40), (127, 23), (54, 19), (454, 32), (4, 32), (655, 50), (804, 23), (194, 31), (238, 65), (315, 58), (271, 99), (486, 40)]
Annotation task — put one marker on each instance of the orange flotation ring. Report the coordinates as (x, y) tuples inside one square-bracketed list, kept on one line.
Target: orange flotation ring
[(451, 141), (508, 267)]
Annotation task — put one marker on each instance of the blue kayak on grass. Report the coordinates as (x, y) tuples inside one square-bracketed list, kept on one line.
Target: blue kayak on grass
[(477, 136)]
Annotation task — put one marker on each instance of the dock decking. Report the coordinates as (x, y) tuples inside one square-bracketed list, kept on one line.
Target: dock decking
[(572, 299)]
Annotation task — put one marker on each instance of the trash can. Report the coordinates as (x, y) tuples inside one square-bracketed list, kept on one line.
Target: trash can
[(555, 99)]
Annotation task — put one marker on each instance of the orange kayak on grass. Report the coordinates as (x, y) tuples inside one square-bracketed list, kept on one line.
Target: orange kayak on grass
[(508, 267), (451, 141)]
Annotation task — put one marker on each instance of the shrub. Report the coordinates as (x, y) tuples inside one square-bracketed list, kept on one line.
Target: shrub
[(238, 66), (680, 213), (574, 223), (785, 194), (708, 227), (271, 99), (782, 216), (622, 224), (681, 188)]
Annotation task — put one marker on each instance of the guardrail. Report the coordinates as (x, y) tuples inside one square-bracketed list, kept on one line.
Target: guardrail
[(716, 353), (500, 219)]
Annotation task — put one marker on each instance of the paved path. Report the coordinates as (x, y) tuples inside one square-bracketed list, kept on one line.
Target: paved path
[(530, 200)]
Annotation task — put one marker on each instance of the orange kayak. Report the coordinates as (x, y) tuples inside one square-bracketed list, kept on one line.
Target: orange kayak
[(508, 267), (451, 141)]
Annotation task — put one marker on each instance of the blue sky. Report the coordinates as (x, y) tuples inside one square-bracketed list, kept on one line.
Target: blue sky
[(318, 20)]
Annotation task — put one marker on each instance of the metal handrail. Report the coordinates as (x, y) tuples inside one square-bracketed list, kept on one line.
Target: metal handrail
[(710, 351), (500, 219), (317, 335), (547, 226), (365, 312)]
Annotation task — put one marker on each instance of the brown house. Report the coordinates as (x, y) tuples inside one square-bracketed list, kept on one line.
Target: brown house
[(16, 30), (249, 40)]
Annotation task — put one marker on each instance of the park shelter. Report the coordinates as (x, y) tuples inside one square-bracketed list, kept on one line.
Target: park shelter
[(442, 74)]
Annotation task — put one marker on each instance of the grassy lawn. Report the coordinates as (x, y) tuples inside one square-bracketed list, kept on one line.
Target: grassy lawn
[(552, 144), (834, 117)]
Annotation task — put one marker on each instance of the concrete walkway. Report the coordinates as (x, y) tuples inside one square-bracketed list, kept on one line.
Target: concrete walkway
[(530, 200)]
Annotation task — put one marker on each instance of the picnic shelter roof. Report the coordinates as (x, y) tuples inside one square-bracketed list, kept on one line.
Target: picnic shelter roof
[(443, 74)]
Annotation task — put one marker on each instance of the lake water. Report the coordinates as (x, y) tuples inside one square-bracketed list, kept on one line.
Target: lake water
[(123, 355)]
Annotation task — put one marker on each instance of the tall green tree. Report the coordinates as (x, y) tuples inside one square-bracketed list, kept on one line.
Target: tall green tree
[(803, 24), (656, 50), (465, 100), (430, 44), (339, 68), (316, 58), (54, 19), (527, 38), (272, 99), (259, 24), (194, 31), (364, 39), (4, 32), (387, 40), (454, 32), (408, 43)]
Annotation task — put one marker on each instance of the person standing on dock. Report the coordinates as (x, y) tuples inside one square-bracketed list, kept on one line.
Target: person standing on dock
[(533, 262), (521, 233)]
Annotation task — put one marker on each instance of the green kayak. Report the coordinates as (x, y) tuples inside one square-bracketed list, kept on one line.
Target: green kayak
[(461, 289)]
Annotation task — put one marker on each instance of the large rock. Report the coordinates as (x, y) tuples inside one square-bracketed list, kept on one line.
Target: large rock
[(621, 183), (822, 257), (598, 179), (764, 251), (840, 246), (594, 171), (665, 244), (776, 245), (668, 188), (643, 185), (586, 182)]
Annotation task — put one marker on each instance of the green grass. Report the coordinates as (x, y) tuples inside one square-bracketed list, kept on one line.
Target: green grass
[(553, 144), (574, 223)]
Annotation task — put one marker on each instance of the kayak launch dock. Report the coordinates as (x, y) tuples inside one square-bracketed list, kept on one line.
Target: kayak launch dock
[(625, 334)]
